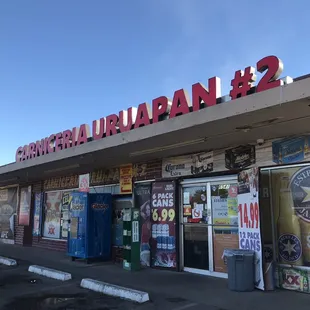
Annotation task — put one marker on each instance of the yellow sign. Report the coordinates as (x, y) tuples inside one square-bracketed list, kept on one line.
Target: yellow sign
[(126, 179)]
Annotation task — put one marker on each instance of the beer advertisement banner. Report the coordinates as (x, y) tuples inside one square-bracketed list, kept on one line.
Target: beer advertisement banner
[(8, 209), (126, 179), (52, 210), (38, 200), (24, 206), (163, 210), (249, 220), (194, 164), (142, 201), (240, 157), (291, 201)]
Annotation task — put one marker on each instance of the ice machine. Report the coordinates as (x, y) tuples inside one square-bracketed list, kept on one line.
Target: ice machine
[(90, 226)]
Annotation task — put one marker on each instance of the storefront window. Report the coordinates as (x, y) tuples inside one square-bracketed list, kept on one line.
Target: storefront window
[(195, 204), (56, 214), (224, 202)]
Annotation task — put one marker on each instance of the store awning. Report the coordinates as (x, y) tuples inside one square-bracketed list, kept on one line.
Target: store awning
[(278, 112)]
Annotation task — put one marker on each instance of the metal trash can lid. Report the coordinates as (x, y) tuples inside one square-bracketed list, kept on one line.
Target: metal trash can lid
[(239, 252)]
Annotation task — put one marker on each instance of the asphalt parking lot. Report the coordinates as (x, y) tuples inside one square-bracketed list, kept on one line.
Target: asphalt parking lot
[(20, 289)]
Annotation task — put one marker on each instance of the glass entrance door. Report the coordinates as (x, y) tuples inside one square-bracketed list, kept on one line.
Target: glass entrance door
[(209, 225)]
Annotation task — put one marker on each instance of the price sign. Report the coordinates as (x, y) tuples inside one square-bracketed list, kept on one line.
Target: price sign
[(249, 215), (163, 215)]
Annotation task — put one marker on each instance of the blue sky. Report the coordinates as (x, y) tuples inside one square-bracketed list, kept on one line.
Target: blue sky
[(64, 63)]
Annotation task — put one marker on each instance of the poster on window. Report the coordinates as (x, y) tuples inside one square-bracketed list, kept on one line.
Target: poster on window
[(163, 241), (52, 210), (8, 206), (249, 220), (24, 206), (142, 200), (38, 198)]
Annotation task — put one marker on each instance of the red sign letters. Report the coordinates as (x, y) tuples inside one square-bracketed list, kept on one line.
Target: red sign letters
[(162, 108)]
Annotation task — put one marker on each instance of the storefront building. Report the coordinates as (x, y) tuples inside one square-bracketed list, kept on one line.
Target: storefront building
[(207, 174)]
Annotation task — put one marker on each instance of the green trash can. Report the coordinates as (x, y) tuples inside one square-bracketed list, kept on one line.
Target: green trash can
[(241, 269)]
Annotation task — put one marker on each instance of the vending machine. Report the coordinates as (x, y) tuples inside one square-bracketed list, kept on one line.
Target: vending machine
[(89, 236)]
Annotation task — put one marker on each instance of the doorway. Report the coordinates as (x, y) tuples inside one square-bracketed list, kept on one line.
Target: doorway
[(209, 224)]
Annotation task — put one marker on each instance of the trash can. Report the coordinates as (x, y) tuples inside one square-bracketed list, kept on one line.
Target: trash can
[(241, 271)]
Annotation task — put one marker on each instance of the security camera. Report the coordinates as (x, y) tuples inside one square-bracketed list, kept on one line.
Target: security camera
[(260, 141)]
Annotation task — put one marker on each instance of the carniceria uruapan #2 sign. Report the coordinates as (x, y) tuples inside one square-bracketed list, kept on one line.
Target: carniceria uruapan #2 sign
[(162, 108)]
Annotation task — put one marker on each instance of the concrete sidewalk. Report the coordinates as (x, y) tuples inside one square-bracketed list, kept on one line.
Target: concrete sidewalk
[(162, 285)]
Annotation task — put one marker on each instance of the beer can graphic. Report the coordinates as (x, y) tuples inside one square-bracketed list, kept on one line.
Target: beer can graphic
[(159, 242), (171, 243), (165, 240), (154, 231)]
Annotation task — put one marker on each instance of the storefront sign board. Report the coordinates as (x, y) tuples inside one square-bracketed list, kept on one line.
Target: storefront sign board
[(249, 220), (126, 179), (162, 108), (187, 165), (24, 206)]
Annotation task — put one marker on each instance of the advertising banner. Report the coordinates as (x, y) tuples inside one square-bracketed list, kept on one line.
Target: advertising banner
[(38, 199), (126, 179), (8, 206), (52, 210), (240, 157), (163, 209), (187, 165), (142, 201), (24, 206), (84, 183), (249, 220)]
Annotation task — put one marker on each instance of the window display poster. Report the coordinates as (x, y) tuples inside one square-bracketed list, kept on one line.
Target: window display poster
[(65, 217), (38, 197), (142, 201), (163, 241), (52, 210), (24, 206), (8, 205), (249, 220)]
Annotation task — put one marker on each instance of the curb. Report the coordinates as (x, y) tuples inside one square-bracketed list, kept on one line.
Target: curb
[(50, 273), (7, 261), (115, 290)]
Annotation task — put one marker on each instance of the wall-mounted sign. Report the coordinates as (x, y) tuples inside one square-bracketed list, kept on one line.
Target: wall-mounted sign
[(24, 206), (62, 182), (162, 108), (84, 183), (187, 165), (147, 171), (103, 177), (240, 157), (126, 179), (290, 150)]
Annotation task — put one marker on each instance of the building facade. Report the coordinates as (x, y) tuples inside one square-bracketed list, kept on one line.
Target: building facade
[(185, 164)]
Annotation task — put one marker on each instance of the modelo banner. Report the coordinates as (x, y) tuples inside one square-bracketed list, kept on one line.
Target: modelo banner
[(163, 210), (8, 204), (249, 220), (142, 200)]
